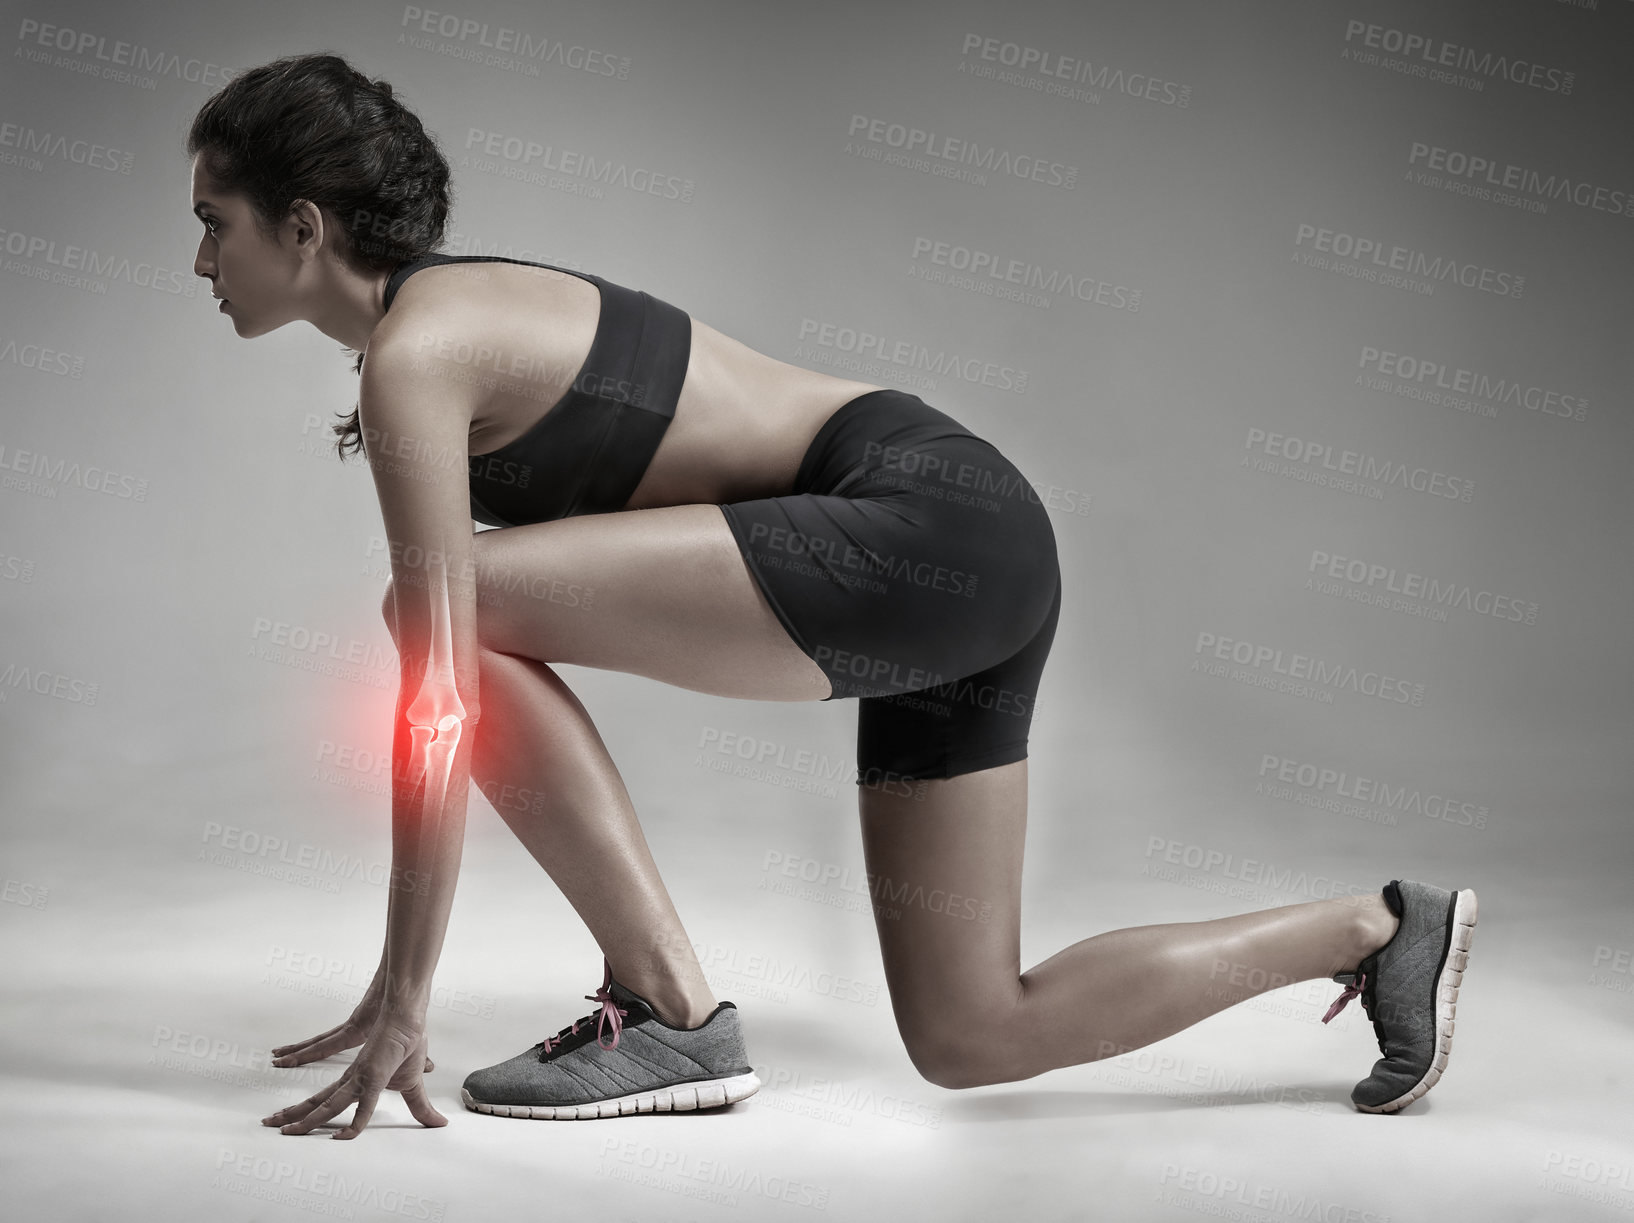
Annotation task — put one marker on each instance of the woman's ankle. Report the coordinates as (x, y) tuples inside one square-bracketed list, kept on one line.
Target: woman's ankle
[(681, 1009), (1373, 925), (679, 1003)]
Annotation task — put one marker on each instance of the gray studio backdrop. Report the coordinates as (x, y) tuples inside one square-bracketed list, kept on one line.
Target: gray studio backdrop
[(1309, 322)]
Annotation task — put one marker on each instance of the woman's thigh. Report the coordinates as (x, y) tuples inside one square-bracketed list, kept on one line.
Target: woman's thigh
[(916, 565), (661, 592), (944, 875)]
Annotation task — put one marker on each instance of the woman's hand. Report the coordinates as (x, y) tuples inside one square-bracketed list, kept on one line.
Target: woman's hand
[(347, 1035), (390, 1060)]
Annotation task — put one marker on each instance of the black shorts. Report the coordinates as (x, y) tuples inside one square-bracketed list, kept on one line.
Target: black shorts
[(917, 567)]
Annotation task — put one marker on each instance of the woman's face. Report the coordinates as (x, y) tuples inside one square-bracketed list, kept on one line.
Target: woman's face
[(254, 274)]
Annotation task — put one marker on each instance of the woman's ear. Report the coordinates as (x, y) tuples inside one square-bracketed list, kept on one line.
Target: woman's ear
[(307, 228)]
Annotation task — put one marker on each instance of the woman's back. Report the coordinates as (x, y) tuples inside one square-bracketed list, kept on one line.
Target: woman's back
[(513, 337)]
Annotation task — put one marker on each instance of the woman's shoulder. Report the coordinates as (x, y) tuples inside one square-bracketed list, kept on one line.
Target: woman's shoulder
[(470, 279), (463, 303), (485, 329)]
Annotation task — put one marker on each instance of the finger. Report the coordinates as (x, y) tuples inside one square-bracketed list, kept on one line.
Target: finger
[(360, 1119), (336, 1103), (420, 1106), (297, 1110), (346, 1030), (344, 1037), (429, 1067), (301, 1044)]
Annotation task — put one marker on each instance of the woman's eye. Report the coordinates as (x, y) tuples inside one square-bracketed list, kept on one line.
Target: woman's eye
[(210, 223)]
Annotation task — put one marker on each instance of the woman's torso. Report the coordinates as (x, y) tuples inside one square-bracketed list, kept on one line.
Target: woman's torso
[(742, 420)]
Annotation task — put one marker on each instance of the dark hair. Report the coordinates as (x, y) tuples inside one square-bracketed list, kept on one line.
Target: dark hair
[(312, 127)]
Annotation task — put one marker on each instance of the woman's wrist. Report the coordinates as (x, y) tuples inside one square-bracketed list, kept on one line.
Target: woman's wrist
[(403, 996), (402, 1013), (375, 991)]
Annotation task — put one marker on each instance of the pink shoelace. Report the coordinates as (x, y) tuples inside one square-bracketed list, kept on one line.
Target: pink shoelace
[(1353, 990), (610, 1013)]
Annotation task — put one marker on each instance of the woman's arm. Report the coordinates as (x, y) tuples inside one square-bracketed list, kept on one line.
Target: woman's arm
[(415, 428)]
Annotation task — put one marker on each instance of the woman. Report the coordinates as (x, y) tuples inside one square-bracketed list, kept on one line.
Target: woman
[(802, 537)]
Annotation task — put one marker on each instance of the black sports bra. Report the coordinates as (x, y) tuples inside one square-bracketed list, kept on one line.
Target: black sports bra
[(586, 454)]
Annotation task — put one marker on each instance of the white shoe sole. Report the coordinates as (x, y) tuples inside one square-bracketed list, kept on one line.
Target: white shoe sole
[(1446, 1004), (684, 1098)]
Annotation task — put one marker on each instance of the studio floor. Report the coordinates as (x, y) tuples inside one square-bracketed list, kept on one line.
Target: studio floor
[(136, 1034)]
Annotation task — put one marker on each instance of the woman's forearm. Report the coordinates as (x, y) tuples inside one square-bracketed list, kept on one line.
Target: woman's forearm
[(428, 835)]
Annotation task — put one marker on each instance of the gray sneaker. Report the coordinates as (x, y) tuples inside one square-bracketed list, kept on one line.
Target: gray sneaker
[(648, 1066), (1409, 989)]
